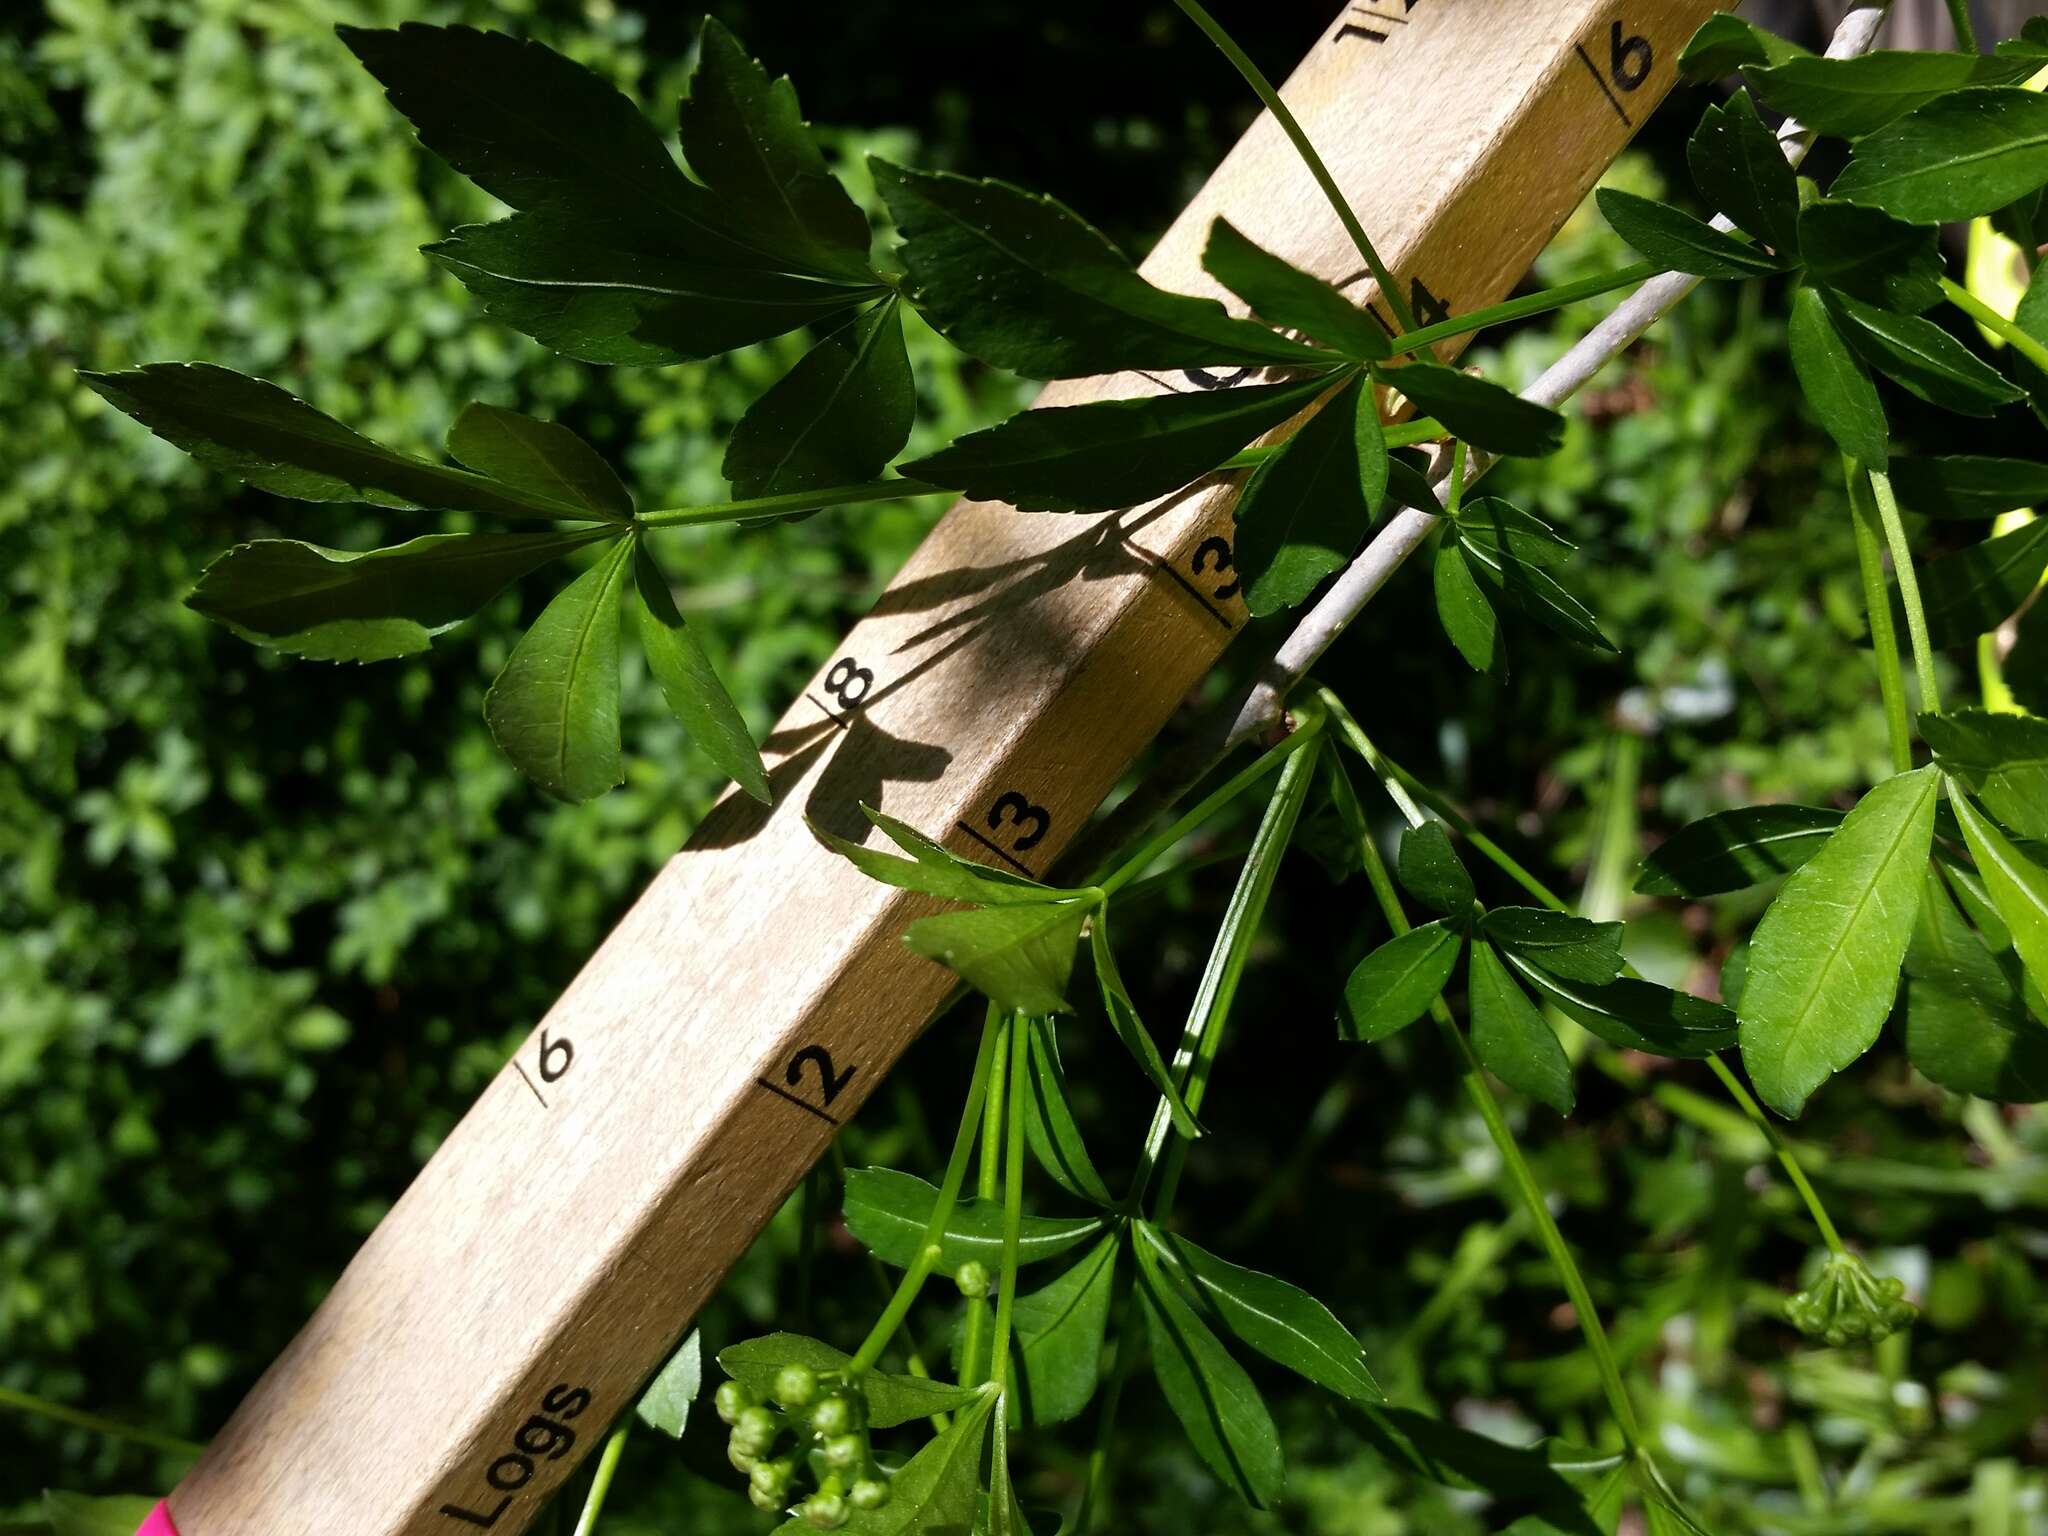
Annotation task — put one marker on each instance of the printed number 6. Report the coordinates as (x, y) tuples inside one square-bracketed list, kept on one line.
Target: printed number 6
[(556, 1056), (1628, 58)]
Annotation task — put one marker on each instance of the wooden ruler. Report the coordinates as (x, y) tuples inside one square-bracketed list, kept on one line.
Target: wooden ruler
[(557, 1245)]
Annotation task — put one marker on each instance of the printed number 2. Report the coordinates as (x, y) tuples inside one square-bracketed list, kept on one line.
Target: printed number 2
[(1628, 58), (829, 1084)]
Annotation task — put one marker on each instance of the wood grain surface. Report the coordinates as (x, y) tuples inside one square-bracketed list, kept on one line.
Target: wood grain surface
[(557, 1245)]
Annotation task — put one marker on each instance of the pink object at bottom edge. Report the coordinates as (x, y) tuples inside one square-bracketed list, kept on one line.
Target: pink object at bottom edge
[(158, 1523)]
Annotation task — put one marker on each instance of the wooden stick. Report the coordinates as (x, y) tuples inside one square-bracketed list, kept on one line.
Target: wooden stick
[(551, 1253)]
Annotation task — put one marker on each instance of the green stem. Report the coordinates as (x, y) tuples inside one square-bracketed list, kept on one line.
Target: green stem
[(1966, 34), (1520, 309), (1783, 1152), (601, 1481), (888, 488), (942, 1210), (1884, 639), (1455, 497), (78, 1418), (1095, 1492), (2027, 345), (1013, 1208), (1263, 87), (1909, 589), (988, 1186)]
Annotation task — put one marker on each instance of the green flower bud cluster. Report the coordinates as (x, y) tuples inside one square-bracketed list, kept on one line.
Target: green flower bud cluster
[(1848, 1303), (828, 1421), (973, 1279)]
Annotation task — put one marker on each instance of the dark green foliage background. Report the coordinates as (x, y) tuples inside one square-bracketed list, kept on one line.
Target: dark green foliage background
[(266, 927)]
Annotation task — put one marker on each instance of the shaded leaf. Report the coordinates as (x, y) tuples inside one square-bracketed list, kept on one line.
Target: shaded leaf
[(1483, 413), (1923, 357), (1575, 948), (2017, 885), (2003, 758), (1056, 1339), (891, 1399), (1458, 1458), (665, 1405), (1869, 255), (1676, 240), (690, 684), (1635, 1015), (1025, 283), (1503, 527), (1467, 617), (1018, 956), (1130, 1029), (1286, 296), (1835, 381), (1306, 508), (1510, 1036), (1431, 871), (1724, 43), (543, 457), (1408, 481), (1281, 1321), (1111, 453), (1049, 1119), (1966, 1028), (1394, 985), (1824, 962), (1528, 587), (837, 418), (1968, 485), (1730, 850), (889, 1211), (75, 1514), (1963, 154), (1740, 169), (1975, 590), (1854, 96)]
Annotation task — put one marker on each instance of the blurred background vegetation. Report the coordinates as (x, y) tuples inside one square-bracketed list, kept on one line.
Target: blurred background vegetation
[(266, 927)]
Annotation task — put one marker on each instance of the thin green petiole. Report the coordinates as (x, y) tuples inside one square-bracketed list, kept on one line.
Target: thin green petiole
[(2028, 346), (601, 1481), (1263, 88), (1909, 589), (988, 1186), (887, 488), (1398, 434), (1013, 1207), (1786, 1160), (1455, 497), (1521, 309), (1884, 639), (1966, 33), (78, 1418)]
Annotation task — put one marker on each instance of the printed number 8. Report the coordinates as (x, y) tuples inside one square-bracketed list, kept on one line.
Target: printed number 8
[(848, 682)]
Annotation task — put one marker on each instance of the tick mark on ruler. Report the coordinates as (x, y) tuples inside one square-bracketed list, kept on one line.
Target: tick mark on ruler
[(1021, 868), (809, 1109), (528, 1081), (1599, 80), (1196, 593), (829, 712)]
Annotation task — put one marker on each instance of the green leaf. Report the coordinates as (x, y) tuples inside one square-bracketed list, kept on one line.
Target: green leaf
[(543, 457), (1676, 240), (1730, 850), (1281, 1321), (554, 709), (1209, 1392), (1501, 526), (278, 443), (1723, 44), (938, 1491), (1111, 453), (1525, 585), (945, 873), (1575, 948), (1130, 1029), (1394, 985), (1964, 154), (1966, 1027), (554, 281), (1635, 1015), (1855, 96), (1835, 381), (1510, 1036), (1443, 1453), (891, 1400), (545, 135), (1869, 255), (1430, 870), (1049, 1120), (665, 1405), (2017, 885), (1481, 412), (837, 418), (1973, 591), (1286, 296), (1408, 484), (1025, 283), (888, 1212), (690, 684), (744, 135), (1056, 1342), (1307, 508), (1923, 357), (1018, 956), (74, 1514), (1968, 485), (1824, 963), (338, 605), (2003, 758), (1467, 617), (1740, 168)]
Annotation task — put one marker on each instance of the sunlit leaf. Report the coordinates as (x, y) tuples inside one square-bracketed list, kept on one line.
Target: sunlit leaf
[(690, 684), (1575, 948), (938, 1490), (1963, 154), (1740, 169), (1966, 1027), (1394, 985), (665, 1404), (891, 1399), (2002, 757), (1467, 617), (1018, 956), (889, 1210), (1835, 381), (1854, 96), (2018, 886), (1308, 507)]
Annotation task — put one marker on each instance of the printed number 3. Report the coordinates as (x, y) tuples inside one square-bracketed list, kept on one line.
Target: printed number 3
[(1013, 807)]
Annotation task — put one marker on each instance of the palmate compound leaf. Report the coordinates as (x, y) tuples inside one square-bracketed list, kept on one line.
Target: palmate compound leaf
[(543, 457), (1281, 1321), (1679, 242), (1394, 985), (1284, 295), (665, 1404), (554, 709), (1431, 871), (1574, 948), (1962, 155), (1731, 850), (1869, 255), (1824, 962), (2017, 885), (1968, 486), (1920, 355), (337, 605), (1974, 590), (1306, 508), (1510, 1036), (891, 1399), (1056, 1342), (1049, 1124), (1740, 169), (1835, 381), (1019, 957), (837, 418), (1483, 413), (1966, 1027), (1851, 97), (690, 684), (1634, 1015), (937, 1491), (1209, 1392), (278, 443), (1130, 1029), (1525, 584), (2002, 758), (889, 1210), (1023, 282), (1111, 453)]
